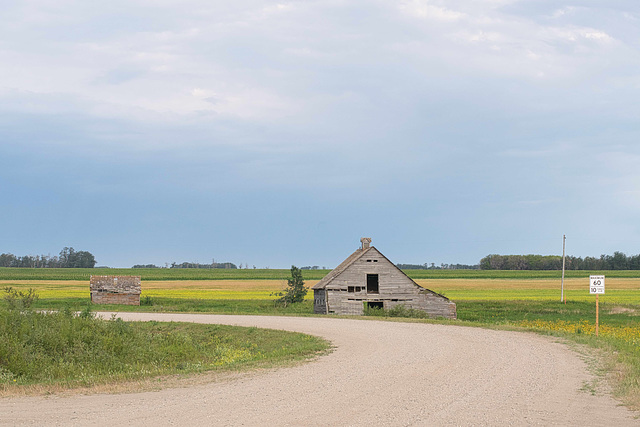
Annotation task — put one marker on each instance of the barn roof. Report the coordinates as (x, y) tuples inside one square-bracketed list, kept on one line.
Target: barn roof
[(342, 267)]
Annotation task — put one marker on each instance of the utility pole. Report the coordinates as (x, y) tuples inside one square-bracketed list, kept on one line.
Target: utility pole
[(562, 295)]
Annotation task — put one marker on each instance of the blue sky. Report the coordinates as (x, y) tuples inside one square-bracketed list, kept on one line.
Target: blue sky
[(279, 133)]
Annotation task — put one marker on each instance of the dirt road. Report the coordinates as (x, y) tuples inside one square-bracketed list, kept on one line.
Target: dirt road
[(381, 373)]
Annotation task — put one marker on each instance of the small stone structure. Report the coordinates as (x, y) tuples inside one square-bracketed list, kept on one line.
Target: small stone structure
[(368, 278), (115, 290)]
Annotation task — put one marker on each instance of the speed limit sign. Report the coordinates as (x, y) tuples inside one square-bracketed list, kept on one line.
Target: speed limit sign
[(596, 284)]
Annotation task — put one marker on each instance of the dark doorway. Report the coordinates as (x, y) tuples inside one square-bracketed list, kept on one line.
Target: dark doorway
[(378, 305), (372, 283)]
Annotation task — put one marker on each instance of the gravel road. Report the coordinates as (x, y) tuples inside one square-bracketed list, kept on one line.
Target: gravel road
[(381, 373)]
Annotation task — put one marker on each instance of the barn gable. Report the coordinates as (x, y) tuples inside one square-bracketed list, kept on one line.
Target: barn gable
[(367, 277)]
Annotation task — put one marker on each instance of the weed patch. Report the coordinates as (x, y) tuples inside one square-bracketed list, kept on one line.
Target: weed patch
[(67, 349)]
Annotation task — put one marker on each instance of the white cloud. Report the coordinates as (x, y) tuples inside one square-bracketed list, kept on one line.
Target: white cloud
[(426, 10)]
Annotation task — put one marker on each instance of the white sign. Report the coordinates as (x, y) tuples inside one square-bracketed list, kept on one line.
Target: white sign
[(596, 284)]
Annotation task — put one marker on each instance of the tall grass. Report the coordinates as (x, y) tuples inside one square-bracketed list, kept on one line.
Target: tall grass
[(69, 349)]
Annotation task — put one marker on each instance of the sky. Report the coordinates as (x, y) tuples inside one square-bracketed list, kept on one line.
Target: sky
[(272, 134)]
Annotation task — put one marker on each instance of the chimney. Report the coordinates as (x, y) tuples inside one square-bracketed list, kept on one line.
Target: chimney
[(366, 241)]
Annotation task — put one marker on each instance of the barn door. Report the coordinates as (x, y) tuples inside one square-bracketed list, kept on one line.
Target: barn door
[(372, 283)]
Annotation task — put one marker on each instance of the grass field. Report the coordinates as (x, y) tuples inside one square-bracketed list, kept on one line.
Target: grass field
[(51, 352), (181, 274), (513, 299)]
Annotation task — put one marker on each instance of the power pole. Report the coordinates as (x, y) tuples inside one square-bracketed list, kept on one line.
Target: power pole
[(562, 295)]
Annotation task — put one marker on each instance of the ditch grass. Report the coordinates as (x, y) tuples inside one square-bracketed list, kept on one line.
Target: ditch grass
[(185, 305), (44, 352)]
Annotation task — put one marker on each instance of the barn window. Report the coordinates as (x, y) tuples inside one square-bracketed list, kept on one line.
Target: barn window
[(368, 260), (372, 283), (351, 288), (375, 304), (375, 260)]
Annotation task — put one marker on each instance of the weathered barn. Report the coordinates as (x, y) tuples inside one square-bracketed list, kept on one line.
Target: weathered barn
[(368, 278), (115, 290)]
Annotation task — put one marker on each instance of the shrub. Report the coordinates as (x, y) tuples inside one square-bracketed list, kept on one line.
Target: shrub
[(19, 300), (397, 311), (295, 291)]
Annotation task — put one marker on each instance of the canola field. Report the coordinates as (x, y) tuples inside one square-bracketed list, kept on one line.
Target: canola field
[(619, 290)]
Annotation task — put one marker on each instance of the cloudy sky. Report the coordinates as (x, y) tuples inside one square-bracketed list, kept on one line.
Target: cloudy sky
[(279, 133)]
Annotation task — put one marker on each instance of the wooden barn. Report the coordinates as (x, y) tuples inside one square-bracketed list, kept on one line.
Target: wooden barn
[(368, 278)]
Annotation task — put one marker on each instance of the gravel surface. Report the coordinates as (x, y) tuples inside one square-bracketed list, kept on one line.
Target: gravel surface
[(381, 373)]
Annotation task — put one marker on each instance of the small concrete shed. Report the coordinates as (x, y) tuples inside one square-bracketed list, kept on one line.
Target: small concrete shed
[(115, 289), (368, 278)]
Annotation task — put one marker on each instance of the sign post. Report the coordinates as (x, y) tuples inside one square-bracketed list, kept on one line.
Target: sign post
[(596, 286), (562, 295)]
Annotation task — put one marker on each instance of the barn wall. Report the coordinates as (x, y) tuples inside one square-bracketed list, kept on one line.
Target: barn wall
[(319, 301), (115, 290), (395, 288)]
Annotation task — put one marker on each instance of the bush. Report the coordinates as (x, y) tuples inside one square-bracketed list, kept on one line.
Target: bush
[(397, 311), (19, 300), (295, 291)]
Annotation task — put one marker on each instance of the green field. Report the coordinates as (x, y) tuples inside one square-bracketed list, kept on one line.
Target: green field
[(7, 273)]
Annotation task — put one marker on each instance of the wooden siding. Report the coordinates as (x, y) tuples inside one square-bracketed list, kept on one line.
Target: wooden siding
[(395, 288)]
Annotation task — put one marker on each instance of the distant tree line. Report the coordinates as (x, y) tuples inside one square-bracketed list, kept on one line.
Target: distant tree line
[(68, 258), (617, 261), (198, 265), (433, 266)]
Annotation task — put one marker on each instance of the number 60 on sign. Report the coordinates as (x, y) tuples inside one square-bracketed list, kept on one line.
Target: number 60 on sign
[(596, 284)]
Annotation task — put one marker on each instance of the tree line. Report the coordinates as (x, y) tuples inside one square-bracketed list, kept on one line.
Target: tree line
[(67, 258), (433, 266), (617, 261), (229, 265), (198, 265)]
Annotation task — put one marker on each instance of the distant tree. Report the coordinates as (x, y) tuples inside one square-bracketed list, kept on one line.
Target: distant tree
[(295, 291), (617, 261), (7, 260), (69, 258), (84, 259), (208, 266)]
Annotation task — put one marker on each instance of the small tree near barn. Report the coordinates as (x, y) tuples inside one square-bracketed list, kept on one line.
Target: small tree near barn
[(295, 291)]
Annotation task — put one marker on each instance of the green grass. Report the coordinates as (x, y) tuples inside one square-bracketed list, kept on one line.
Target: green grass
[(279, 274), (7, 273), (62, 349), (186, 305), (514, 311), (622, 296)]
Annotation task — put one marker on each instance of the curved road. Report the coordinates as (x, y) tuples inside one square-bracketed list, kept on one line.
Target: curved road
[(381, 373)]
